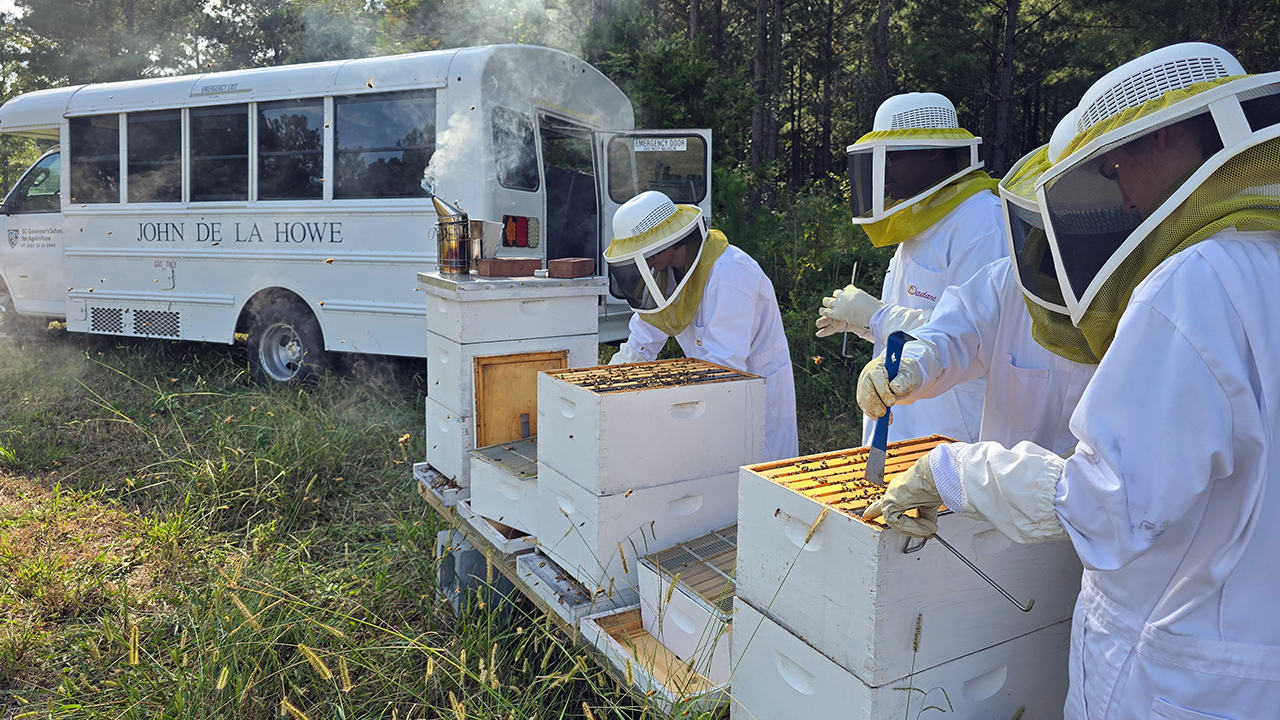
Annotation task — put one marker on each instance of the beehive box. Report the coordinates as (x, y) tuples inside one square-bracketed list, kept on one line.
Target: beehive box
[(476, 310), (852, 593), (505, 330), (629, 427), (450, 440), (504, 483), (597, 538), (686, 600), (778, 676), (452, 370), (648, 667)]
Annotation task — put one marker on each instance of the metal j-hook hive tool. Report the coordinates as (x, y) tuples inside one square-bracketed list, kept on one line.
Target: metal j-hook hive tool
[(908, 548)]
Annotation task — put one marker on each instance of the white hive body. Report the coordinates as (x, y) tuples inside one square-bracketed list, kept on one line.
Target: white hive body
[(853, 594), (451, 371), (504, 484), (636, 458), (478, 323), (597, 538), (778, 676), (631, 427), (692, 619)]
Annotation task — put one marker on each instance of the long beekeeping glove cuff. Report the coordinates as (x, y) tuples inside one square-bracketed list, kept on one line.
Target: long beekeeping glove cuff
[(626, 355), (1013, 489), (925, 356), (891, 318)]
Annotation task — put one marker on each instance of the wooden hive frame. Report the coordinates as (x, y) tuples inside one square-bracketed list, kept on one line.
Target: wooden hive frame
[(704, 565), (838, 479), (608, 379)]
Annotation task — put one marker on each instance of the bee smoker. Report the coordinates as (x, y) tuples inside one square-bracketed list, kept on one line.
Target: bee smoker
[(453, 238)]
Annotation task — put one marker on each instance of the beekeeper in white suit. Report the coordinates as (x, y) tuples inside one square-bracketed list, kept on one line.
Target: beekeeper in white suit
[(916, 183), (985, 328), (688, 282), (1163, 226)]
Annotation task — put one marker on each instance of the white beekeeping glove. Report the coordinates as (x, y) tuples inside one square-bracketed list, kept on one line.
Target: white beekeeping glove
[(847, 310), (913, 489), (876, 393)]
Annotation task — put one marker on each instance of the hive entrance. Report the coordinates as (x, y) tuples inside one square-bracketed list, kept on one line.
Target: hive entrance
[(644, 376), (838, 479)]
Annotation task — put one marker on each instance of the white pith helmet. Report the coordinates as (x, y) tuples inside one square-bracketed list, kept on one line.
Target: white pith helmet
[(1024, 226), (911, 121), (1151, 76), (1081, 201), (915, 110), (1062, 135), (644, 226)]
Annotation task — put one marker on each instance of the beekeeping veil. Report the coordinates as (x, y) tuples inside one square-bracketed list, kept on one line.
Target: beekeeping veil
[(914, 121), (1029, 249), (647, 225), (1101, 248)]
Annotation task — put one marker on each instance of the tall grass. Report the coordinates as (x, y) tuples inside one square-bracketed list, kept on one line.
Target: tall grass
[(178, 542)]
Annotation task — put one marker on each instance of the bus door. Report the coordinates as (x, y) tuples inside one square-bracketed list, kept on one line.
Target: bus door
[(572, 205), (32, 251), (674, 162)]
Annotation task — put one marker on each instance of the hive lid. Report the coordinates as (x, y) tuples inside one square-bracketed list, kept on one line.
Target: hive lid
[(608, 379), (838, 479), (704, 566)]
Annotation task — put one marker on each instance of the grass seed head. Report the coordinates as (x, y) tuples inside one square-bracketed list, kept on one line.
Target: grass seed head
[(294, 711), (915, 641), (345, 672), (625, 569), (246, 612), (316, 663), (814, 527), (459, 710), (586, 710)]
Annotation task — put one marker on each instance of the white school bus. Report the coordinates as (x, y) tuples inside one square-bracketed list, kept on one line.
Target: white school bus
[(286, 202)]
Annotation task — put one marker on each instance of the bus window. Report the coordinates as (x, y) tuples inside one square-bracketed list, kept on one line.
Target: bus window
[(291, 150), (383, 142), (674, 165), (513, 150), (155, 156), (220, 153), (40, 190), (95, 159)]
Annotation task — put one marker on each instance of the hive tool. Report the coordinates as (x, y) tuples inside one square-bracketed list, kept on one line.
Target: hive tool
[(911, 546), (844, 346), (875, 467), (880, 439)]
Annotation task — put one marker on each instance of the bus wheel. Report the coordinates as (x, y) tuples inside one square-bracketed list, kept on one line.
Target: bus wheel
[(286, 345)]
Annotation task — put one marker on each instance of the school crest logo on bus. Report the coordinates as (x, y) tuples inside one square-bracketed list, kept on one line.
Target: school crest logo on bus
[(13, 238)]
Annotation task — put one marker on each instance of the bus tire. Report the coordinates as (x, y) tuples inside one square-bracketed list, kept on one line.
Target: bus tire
[(286, 345)]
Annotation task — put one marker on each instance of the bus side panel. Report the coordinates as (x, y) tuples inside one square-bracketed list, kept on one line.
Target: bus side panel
[(188, 275)]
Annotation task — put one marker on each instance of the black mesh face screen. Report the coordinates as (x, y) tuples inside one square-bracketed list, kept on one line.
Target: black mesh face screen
[(861, 185)]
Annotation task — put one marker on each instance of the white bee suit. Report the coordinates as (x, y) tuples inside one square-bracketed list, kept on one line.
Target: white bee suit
[(982, 329), (950, 252), (1166, 498), (738, 325)]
